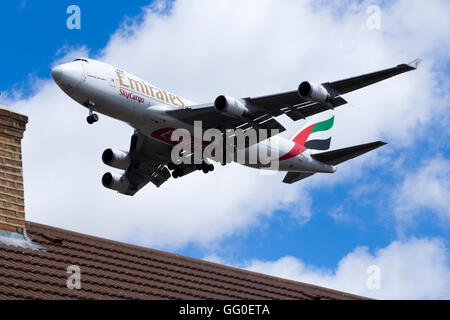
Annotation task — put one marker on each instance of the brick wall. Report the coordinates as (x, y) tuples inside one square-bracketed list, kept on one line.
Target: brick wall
[(12, 209)]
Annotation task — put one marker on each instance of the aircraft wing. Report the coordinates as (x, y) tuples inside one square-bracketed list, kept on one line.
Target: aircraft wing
[(259, 119), (149, 159), (295, 107), (263, 109)]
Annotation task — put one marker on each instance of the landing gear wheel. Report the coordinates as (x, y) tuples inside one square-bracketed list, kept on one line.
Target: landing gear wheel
[(177, 173), (206, 167), (92, 118)]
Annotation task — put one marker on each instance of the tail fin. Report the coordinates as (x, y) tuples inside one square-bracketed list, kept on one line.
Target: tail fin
[(315, 136)]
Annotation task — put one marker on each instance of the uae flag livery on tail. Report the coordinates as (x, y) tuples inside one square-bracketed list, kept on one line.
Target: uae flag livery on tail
[(316, 136)]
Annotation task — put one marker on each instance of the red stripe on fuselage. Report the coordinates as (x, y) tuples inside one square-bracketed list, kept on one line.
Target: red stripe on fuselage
[(303, 135), (299, 145), (165, 135), (295, 151)]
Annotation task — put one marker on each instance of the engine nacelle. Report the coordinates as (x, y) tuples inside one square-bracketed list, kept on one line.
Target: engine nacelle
[(232, 107), (115, 182), (116, 159), (313, 92)]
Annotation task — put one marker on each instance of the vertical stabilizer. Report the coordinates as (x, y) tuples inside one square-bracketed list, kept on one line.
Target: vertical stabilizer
[(315, 136)]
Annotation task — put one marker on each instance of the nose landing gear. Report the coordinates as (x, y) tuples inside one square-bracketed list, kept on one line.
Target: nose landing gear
[(93, 117)]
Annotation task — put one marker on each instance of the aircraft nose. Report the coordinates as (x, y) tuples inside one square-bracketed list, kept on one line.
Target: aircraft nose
[(68, 76), (57, 73)]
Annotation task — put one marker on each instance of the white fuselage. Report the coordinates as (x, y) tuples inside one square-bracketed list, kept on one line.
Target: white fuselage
[(128, 98)]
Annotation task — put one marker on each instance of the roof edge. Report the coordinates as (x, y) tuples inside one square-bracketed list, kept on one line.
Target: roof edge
[(325, 290)]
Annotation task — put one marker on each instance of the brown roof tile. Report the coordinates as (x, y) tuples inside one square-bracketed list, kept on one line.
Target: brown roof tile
[(114, 270)]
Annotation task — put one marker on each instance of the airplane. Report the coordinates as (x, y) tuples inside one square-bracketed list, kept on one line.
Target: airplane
[(155, 114)]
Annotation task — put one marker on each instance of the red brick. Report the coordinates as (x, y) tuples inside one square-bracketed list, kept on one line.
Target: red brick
[(7, 227), (6, 113), (14, 192), (6, 122), (13, 206), (17, 222), (15, 177), (7, 212), (12, 127), (11, 132), (6, 139), (11, 147), (4, 153), (20, 215), (8, 198), (11, 162)]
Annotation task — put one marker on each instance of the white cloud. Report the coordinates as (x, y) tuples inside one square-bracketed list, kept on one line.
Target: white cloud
[(426, 189), (412, 269), (201, 49), (340, 215)]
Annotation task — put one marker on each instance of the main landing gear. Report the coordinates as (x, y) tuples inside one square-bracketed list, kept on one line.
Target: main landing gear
[(92, 117), (205, 167), (177, 171)]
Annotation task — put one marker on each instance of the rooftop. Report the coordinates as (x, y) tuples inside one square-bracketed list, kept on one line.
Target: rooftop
[(114, 270)]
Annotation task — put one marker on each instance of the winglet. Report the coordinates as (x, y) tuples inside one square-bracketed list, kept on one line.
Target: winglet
[(415, 64)]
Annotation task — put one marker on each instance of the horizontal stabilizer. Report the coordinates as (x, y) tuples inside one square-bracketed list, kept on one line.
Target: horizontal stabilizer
[(336, 157), (292, 177)]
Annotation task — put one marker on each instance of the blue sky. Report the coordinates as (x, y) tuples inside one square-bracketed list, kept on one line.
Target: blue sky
[(35, 35), (38, 35), (323, 241)]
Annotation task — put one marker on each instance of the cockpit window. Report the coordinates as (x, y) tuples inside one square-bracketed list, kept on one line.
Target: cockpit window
[(84, 60)]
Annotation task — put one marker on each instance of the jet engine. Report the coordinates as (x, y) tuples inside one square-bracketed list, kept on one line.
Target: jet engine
[(115, 182), (313, 92), (116, 159), (232, 107)]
